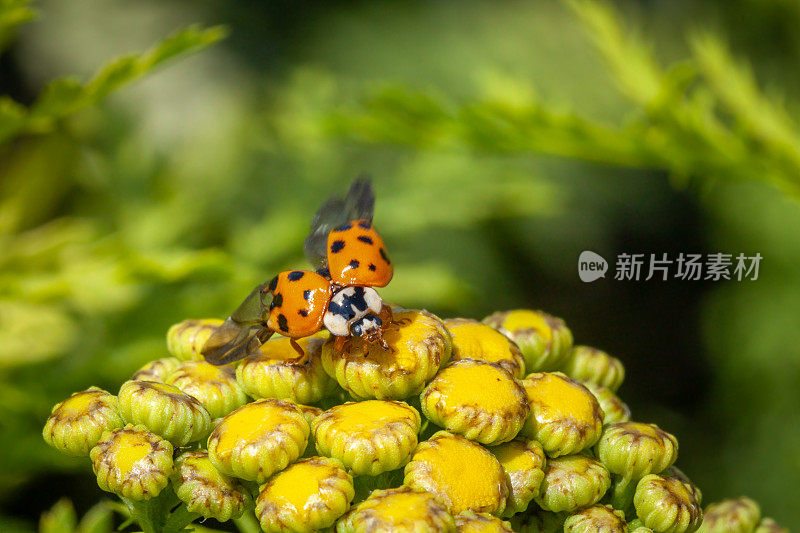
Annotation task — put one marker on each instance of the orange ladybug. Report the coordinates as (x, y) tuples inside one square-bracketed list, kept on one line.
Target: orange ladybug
[(356, 256)]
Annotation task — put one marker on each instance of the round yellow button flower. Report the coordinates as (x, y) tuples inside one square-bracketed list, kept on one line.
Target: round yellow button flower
[(481, 401), (591, 364), (565, 418), (132, 462), (185, 339), (76, 425), (596, 519), (207, 491), (474, 340), (544, 340), (258, 439), (666, 505), (469, 522), (307, 496), (368, 437), (523, 461), (614, 409), (419, 345), (158, 370), (213, 386), (572, 482), (462, 474), (400, 510), (276, 371), (731, 516), (164, 410)]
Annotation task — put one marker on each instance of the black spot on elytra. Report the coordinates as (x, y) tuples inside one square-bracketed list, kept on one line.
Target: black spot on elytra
[(354, 263), (277, 300), (272, 284), (385, 257), (295, 275), (324, 272), (302, 312), (283, 323), (306, 295), (372, 267), (336, 246), (364, 224), (364, 238), (344, 227)]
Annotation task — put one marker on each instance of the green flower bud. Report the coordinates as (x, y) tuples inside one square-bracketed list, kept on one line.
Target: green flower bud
[(596, 519), (158, 370), (459, 400), (523, 461), (258, 439), (538, 522), (76, 425), (591, 364), (641, 529), (633, 449), (213, 386), (473, 340), (614, 409), (207, 491), (665, 505), (461, 474), (276, 372), (185, 339), (676, 472), (544, 340), (419, 345), (369, 437), (164, 410), (731, 516), (132, 462), (572, 482), (307, 496), (469, 522), (565, 418), (768, 525), (400, 510)]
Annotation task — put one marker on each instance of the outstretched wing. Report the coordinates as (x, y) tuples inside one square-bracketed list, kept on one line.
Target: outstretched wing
[(359, 203), (241, 333)]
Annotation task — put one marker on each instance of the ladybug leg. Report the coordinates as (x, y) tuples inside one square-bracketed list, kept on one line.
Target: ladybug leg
[(340, 344), (297, 348)]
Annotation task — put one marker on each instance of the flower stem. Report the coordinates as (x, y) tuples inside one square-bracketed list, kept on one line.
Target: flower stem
[(247, 523), (623, 490), (179, 519)]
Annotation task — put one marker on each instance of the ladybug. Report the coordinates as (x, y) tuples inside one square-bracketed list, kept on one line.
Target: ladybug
[(351, 259)]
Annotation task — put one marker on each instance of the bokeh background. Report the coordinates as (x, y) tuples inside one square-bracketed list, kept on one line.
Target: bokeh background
[(503, 137)]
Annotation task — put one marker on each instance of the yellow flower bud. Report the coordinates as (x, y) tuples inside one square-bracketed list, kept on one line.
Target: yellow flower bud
[(463, 475), (368, 437), (474, 340), (565, 418), (258, 439), (768, 525), (132, 462), (207, 491), (591, 364), (213, 386), (633, 449), (76, 425), (158, 370), (741, 515), (614, 409), (400, 510), (674, 471), (164, 410), (523, 461), (596, 519), (185, 339), (469, 522), (572, 482), (481, 401), (544, 340), (419, 345), (307, 496), (665, 505), (277, 372)]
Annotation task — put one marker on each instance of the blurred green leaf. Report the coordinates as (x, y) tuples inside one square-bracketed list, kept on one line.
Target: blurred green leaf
[(13, 13)]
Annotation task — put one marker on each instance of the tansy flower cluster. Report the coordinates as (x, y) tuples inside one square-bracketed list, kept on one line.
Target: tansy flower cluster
[(501, 425)]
